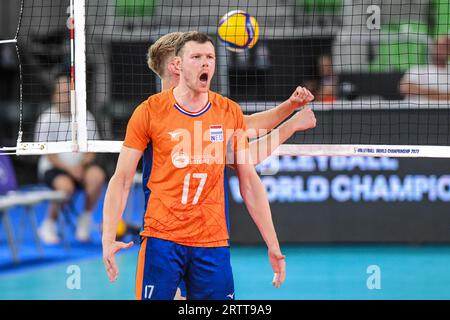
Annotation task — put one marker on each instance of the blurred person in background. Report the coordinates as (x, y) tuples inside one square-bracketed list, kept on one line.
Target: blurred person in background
[(323, 88), (430, 81), (326, 91), (67, 172)]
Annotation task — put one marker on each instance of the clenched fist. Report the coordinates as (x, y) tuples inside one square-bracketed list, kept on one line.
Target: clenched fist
[(300, 97), (303, 120)]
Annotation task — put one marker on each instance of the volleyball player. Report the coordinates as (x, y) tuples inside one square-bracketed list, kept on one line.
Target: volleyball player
[(185, 225), (161, 61)]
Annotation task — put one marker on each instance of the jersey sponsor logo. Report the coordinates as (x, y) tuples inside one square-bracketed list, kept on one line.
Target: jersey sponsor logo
[(174, 134), (180, 159), (216, 133), (204, 159)]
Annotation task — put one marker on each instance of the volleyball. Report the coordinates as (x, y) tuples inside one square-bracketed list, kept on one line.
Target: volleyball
[(238, 30), (121, 229)]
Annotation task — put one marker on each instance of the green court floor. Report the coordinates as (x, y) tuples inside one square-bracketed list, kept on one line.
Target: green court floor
[(313, 272)]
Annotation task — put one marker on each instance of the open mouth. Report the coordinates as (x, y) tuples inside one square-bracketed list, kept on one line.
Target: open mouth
[(204, 77)]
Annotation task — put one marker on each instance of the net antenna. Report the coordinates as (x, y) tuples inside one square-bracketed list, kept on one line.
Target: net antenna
[(371, 49)]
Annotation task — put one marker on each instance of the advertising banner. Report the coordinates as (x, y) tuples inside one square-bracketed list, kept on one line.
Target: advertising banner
[(349, 199)]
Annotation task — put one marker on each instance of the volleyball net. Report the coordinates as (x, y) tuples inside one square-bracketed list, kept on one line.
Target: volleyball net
[(361, 59)]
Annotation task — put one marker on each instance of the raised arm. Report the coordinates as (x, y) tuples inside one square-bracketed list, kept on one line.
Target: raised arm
[(263, 147), (269, 119), (114, 204)]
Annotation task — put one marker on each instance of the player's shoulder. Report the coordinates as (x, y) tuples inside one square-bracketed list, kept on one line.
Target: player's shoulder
[(155, 103), (159, 102), (223, 102), (160, 97)]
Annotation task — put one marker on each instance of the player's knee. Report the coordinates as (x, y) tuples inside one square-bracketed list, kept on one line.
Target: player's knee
[(94, 177), (64, 183)]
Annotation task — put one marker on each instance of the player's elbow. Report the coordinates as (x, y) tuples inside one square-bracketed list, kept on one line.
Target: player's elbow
[(247, 180), (121, 179), (244, 188), (252, 192)]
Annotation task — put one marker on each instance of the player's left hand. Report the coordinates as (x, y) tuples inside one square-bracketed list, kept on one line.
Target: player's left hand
[(277, 260), (303, 120), (300, 97)]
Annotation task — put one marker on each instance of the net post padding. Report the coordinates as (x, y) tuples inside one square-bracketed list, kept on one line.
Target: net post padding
[(80, 73)]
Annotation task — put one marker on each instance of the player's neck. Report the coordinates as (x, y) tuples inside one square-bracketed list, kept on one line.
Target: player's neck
[(165, 85), (189, 99), (168, 83)]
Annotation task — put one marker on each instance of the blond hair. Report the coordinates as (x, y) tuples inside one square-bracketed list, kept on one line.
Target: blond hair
[(160, 51)]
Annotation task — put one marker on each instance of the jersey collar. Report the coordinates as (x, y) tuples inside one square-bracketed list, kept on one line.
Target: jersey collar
[(187, 112), (193, 114)]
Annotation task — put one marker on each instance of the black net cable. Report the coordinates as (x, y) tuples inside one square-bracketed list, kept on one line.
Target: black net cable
[(19, 135)]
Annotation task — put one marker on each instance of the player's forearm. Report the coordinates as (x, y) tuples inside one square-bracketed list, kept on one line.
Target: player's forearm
[(114, 204), (269, 119), (254, 196), (263, 147)]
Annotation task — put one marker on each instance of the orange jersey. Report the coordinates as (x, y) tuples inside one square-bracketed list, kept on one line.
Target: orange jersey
[(187, 202)]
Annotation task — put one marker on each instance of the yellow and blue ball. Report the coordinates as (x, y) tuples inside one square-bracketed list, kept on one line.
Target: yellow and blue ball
[(238, 30)]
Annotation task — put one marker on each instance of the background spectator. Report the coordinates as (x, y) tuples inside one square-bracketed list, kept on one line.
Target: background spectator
[(324, 87), (430, 81), (67, 171)]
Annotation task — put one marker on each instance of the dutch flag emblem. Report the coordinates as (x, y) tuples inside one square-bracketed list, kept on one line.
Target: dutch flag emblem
[(216, 133)]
